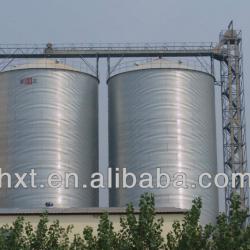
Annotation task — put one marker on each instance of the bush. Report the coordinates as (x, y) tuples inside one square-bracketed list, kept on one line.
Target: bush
[(137, 233)]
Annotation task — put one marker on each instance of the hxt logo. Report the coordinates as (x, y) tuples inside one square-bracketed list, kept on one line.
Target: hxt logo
[(28, 81)]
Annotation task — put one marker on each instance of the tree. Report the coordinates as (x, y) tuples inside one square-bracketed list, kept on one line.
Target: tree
[(228, 234), (144, 232), (137, 232), (189, 234), (232, 233)]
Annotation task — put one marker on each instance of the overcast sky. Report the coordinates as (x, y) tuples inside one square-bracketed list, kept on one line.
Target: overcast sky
[(80, 21)]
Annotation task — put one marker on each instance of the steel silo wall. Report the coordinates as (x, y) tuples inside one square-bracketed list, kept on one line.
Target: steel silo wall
[(50, 125), (164, 118)]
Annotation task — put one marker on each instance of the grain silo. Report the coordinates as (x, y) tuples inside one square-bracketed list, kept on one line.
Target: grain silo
[(162, 115), (49, 123)]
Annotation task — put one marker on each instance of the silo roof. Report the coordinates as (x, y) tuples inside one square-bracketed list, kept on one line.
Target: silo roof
[(158, 64), (44, 64)]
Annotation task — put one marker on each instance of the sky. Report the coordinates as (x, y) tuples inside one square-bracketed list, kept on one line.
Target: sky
[(91, 21)]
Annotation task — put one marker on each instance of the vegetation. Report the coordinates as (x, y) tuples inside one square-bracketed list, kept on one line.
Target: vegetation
[(137, 233)]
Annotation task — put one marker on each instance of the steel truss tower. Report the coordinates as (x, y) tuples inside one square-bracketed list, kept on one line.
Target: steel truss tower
[(228, 52), (233, 116)]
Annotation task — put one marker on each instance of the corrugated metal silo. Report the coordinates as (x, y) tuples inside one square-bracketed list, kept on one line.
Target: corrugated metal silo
[(162, 115), (48, 122)]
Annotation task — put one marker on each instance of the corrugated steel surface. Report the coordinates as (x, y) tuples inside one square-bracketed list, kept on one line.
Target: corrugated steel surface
[(164, 118), (49, 122)]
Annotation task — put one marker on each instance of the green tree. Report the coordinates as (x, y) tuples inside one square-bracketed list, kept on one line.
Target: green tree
[(137, 232), (189, 234), (13, 237), (232, 233), (144, 232), (229, 233)]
